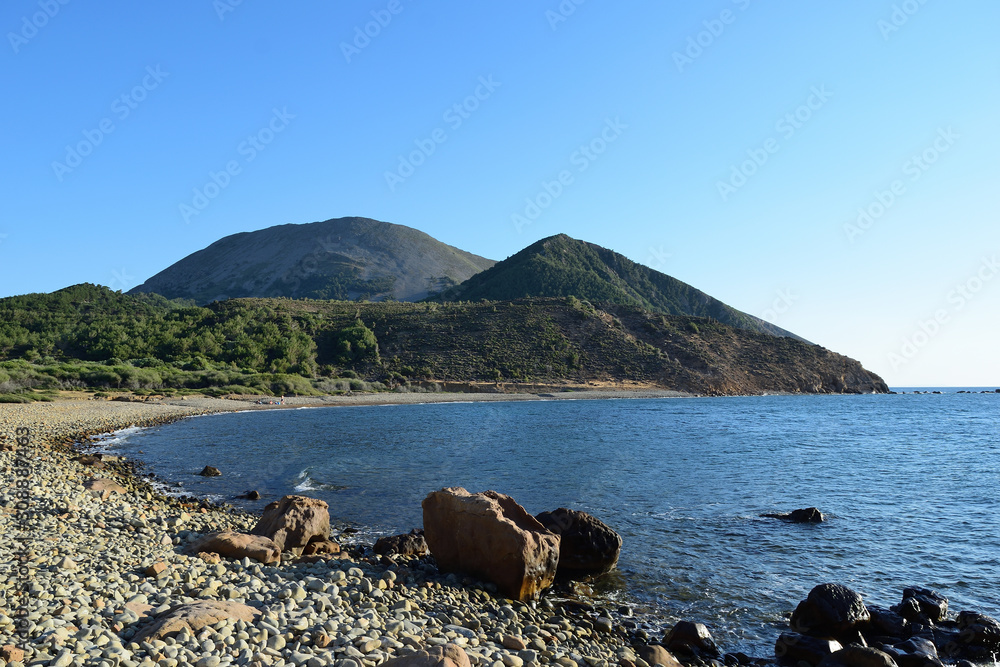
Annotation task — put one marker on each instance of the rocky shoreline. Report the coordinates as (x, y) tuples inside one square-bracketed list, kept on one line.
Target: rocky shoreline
[(90, 565)]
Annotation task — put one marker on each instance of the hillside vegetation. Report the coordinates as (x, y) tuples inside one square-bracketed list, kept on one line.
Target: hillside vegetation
[(89, 336), (560, 266)]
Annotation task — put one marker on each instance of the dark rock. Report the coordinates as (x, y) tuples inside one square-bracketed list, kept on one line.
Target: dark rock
[(979, 629), (587, 545), (210, 471), (924, 601), (410, 544), (792, 648), (250, 495), (858, 656), (692, 639), (918, 645), (319, 545), (490, 536), (887, 623), (830, 610), (807, 515)]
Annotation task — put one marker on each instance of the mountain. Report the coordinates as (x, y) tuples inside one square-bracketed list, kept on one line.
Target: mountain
[(560, 266), (345, 258), (90, 336)]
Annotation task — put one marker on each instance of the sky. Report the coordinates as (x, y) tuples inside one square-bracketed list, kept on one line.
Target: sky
[(828, 166)]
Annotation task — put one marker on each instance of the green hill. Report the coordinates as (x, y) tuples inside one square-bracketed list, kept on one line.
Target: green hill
[(345, 258), (89, 336), (560, 266)]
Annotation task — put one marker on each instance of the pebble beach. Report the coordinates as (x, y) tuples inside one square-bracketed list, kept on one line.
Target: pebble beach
[(90, 565)]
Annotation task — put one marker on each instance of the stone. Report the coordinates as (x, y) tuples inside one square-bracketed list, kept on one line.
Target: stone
[(293, 522), (446, 655), (980, 630), (858, 656), (102, 485), (806, 515), (654, 654), (887, 623), (250, 495), (316, 546), (91, 461), (587, 545), (156, 569), (793, 648), (489, 535), (11, 653), (409, 544), (512, 643), (231, 544), (923, 602), (210, 471), (692, 638), (194, 616), (830, 610)]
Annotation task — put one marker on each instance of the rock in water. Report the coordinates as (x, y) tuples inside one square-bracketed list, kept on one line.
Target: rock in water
[(238, 545), (490, 536), (587, 545), (293, 522), (195, 616), (806, 515), (830, 610), (210, 471), (410, 544), (923, 602), (448, 655)]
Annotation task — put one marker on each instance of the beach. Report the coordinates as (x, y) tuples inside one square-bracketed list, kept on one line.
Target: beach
[(94, 565)]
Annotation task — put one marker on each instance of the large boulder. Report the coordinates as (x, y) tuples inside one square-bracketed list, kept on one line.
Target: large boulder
[(447, 655), (195, 616), (293, 522), (410, 544), (237, 545), (490, 536), (805, 515), (587, 545), (830, 610), (979, 630)]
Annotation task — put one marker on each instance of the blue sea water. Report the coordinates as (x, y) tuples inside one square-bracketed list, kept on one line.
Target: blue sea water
[(910, 485)]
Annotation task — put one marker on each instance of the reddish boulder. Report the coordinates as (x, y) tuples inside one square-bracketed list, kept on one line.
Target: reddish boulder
[(293, 522), (195, 616), (237, 545), (448, 655), (489, 535), (587, 545)]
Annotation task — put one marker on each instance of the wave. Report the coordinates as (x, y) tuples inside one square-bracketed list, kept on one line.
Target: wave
[(309, 483)]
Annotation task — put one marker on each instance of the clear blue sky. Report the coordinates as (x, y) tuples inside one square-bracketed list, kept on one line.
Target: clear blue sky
[(820, 108)]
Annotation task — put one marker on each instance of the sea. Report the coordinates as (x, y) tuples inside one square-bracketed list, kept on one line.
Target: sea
[(909, 484)]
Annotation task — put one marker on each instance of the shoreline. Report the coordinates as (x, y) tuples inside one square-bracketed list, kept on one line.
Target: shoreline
[(91, 549)]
